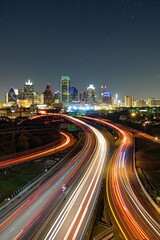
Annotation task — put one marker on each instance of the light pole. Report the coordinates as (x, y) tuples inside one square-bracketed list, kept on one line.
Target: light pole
[(133, 115)]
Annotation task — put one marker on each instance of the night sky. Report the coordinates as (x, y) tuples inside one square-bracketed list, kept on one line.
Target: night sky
[(101, 42)]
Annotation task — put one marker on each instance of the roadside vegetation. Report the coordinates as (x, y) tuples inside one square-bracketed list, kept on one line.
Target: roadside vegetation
[(16, 138), (28, 134), (148, 167), (14, 179)]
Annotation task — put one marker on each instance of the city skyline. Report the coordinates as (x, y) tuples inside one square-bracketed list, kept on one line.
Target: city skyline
[(101, 89), (112, 43)]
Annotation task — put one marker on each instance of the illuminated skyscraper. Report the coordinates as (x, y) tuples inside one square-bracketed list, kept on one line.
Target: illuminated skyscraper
[(73, 94), (103, 89), (12, 95), (129, 101), (65, 89), (48, 95), (91, 96), (83, 96), (57, 97), (29, 91)]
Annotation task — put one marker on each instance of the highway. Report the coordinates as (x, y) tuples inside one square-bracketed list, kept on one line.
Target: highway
[(63, 206), (67, 141), (72, 193), (72, 221), (129, 212)]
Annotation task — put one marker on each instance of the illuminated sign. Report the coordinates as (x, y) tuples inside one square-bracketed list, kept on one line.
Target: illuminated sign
[(107, 94)]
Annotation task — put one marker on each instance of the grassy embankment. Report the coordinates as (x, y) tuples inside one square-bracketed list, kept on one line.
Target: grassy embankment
[(14, 179), (148, 167)]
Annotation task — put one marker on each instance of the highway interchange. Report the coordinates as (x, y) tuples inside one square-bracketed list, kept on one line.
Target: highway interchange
[(18, 224), (128, 211), (62, 207)]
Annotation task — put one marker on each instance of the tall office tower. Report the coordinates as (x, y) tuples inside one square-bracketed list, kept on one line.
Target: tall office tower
[(73, 94), (20, 94), (12, 95), (91, 96), (129, 101), (107, 98), (116, 99), (65, 88), (57, 97), (48, 95), (103, 89), (29, 91), (83, 96), (37, 98)]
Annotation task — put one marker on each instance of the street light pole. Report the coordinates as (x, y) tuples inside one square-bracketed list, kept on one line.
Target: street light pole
[(133, 156)]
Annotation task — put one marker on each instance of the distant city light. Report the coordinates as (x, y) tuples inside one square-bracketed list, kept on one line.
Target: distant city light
[(75, 108)]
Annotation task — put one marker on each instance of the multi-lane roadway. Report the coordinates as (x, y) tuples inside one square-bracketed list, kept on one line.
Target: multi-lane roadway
[(73, 219), (63, 206), (129, 212), (68, 141), (71, 193)]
